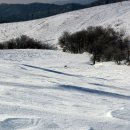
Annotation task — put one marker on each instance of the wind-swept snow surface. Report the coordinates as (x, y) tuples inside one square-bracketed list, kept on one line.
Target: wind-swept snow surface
[(49, 29), (38, 93)]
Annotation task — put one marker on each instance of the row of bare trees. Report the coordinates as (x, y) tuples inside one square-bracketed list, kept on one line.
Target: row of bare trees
[(105, 44), (25, 42)]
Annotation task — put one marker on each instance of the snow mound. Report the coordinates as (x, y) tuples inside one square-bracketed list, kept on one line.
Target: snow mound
[(122, 113), (17, 123)]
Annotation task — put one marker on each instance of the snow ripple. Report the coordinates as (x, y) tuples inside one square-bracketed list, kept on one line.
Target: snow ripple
[(122, 113)]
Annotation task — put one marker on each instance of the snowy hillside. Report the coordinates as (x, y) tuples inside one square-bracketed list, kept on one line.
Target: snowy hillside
[(38, 93), (49, 29)]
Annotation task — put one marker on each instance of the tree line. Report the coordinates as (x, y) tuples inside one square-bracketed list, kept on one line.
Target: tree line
[(25, 42), (105, 44)]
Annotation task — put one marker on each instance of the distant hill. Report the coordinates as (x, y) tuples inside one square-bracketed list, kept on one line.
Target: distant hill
[(50, 29), (83, 2), (25, 12)]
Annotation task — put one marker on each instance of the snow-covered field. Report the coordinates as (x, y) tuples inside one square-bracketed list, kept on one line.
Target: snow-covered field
[(49, 29), (38, 93)]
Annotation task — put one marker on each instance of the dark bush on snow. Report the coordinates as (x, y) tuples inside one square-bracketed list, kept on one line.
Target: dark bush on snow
[(105, 44), (25, 42)]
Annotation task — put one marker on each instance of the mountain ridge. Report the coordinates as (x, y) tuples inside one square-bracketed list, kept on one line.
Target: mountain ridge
[(50, 29), (25, 12)]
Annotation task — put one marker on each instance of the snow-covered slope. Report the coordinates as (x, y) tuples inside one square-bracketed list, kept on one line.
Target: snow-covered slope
[(38, 93), (49, 29)]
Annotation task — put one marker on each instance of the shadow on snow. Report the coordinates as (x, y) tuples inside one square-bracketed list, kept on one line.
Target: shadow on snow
[(52, 71), (93, 91)]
